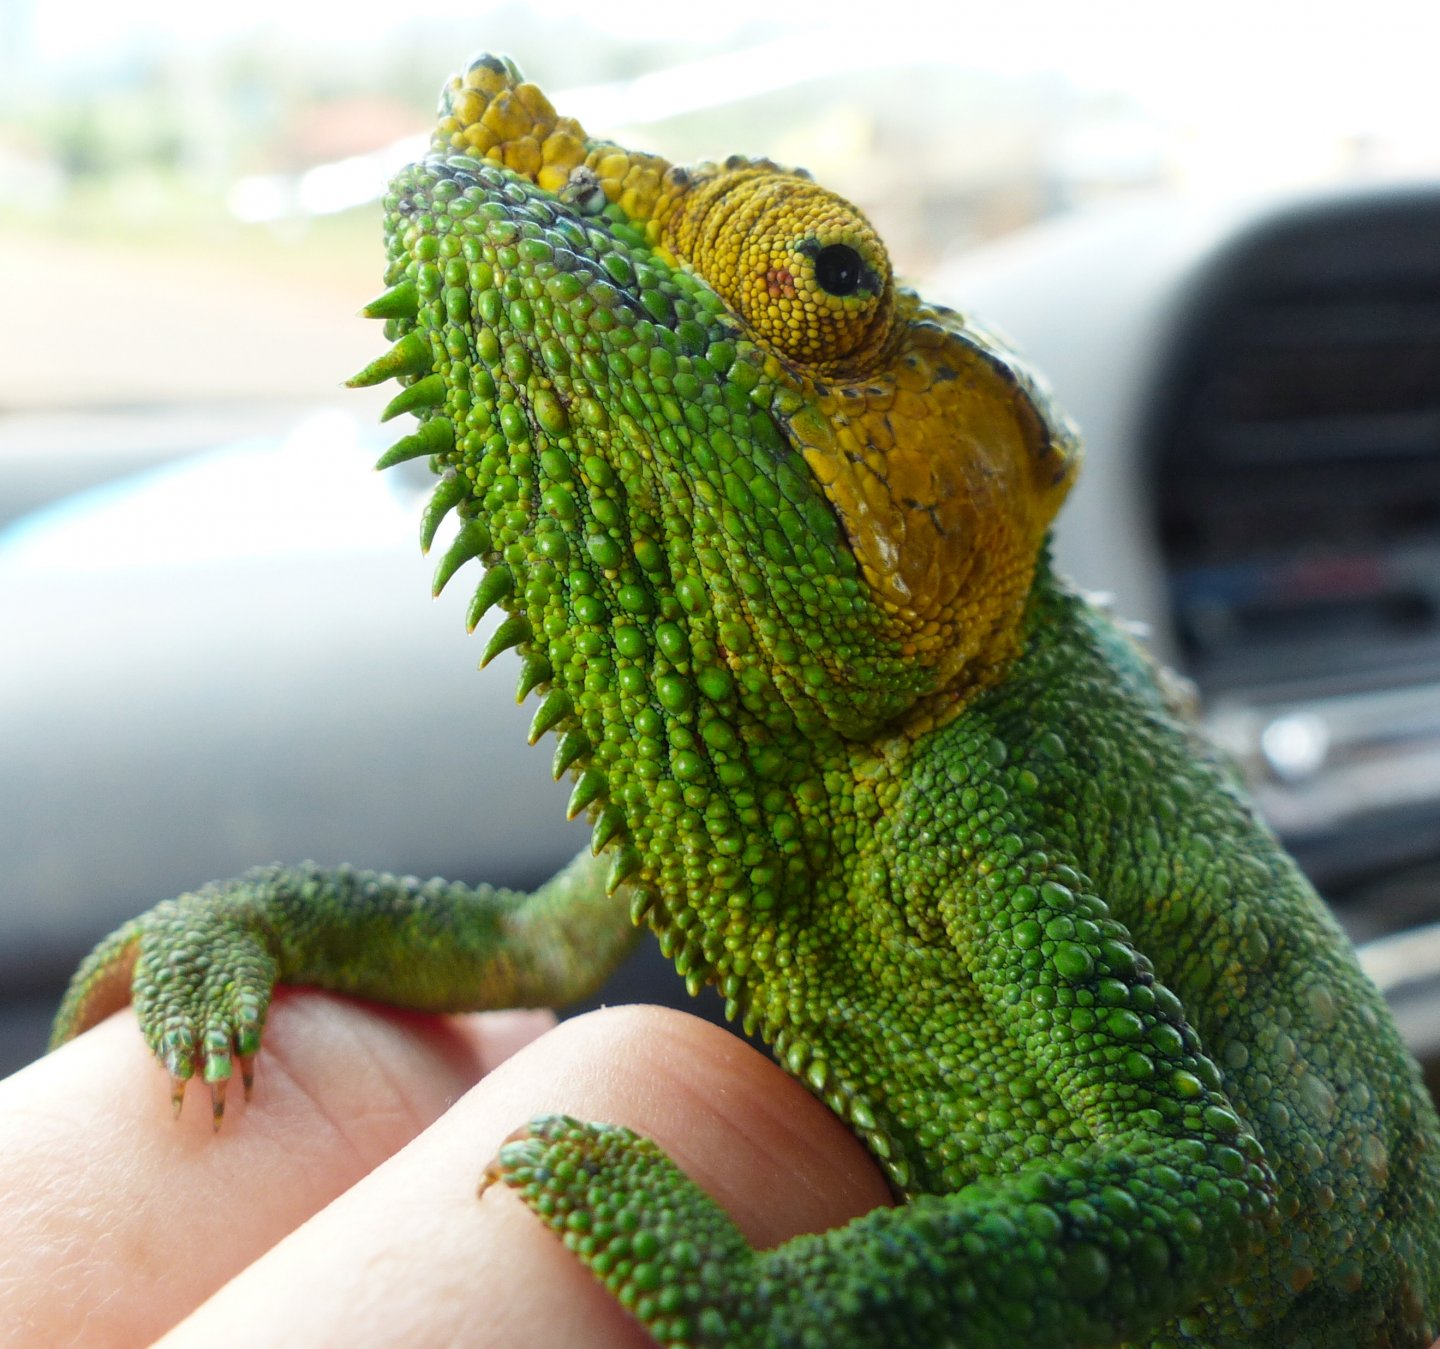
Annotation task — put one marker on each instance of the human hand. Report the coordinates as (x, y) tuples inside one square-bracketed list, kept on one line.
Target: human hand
[(352, 1188)]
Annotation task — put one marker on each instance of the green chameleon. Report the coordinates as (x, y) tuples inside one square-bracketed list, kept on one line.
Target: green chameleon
[(769, 533)]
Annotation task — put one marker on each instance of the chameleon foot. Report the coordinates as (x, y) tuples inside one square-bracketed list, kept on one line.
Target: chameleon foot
[(200, 974), (666, 1250)]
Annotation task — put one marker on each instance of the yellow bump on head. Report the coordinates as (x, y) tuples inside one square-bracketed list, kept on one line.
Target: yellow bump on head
[(490, 111), (490, 105)]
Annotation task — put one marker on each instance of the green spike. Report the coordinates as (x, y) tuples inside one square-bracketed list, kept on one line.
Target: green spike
[(534, 669), (608, 823), (695, 981), (437, 436), (554, 707), (424, 393), (511, 632), (447, 495), (401, 301), (409, 356), (641, 902), (498, 582), (472, 540), (625, 865), (573, 744), (589, 786)]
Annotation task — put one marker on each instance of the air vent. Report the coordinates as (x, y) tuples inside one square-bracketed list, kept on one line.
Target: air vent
[(1297, 456)]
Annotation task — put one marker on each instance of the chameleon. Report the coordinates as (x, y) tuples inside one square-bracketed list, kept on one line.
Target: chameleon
[(771, 535)]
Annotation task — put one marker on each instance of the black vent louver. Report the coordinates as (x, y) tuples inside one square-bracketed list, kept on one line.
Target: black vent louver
[(1296, 448)]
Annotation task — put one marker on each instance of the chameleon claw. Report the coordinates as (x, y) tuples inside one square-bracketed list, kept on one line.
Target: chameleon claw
[(247, 1074), (496, 1169), (217, 1103), (521, 1148), (180, 1067), (218, 1067)]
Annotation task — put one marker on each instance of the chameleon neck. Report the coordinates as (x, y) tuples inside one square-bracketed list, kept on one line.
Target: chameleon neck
[(829, 829)]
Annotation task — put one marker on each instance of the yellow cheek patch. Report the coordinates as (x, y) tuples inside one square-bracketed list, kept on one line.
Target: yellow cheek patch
[(946, 479)]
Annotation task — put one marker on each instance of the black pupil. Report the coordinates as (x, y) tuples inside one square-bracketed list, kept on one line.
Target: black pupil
[(838, 269)]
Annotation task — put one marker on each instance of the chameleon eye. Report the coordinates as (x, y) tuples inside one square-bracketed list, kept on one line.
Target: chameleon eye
[(834, 296), (801, 266), (838, 269)]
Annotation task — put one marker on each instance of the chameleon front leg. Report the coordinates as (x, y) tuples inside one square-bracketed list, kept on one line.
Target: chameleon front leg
[(1063, 1252), (1160, 1199), (200, 968)]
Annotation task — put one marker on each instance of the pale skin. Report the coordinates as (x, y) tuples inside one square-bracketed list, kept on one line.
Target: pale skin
[(339, 1205)]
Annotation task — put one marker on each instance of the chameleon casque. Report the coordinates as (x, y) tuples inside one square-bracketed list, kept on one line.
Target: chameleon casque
[(769, 532)]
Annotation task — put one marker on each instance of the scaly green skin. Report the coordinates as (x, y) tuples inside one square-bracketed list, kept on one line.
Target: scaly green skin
[(1001, 909)]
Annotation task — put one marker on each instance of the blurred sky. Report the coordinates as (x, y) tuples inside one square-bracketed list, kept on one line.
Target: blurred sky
[(1357, 65), (1248, 77), (951, 123)]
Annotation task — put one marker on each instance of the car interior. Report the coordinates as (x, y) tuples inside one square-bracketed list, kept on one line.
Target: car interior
[(218, 648)]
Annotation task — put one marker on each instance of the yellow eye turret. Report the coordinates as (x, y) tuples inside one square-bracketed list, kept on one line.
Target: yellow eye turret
[(799, 264)]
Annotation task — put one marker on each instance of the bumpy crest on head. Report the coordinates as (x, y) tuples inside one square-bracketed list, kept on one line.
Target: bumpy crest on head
[(490, 111)]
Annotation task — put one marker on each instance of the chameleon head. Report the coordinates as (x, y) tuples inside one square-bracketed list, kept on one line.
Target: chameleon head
[(703, 442)]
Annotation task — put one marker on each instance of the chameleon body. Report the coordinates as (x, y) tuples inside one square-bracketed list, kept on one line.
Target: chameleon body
[(770, 535)]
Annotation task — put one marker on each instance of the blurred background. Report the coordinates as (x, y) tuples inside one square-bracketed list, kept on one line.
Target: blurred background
[(1217, 232)]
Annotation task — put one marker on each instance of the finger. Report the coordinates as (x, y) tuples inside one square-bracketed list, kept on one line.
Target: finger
[(411, 1256), (116, 1220)]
